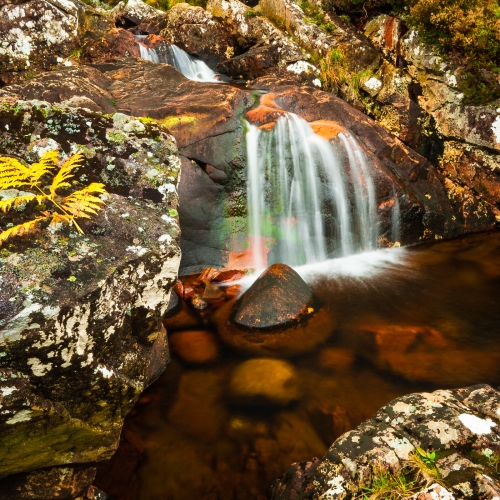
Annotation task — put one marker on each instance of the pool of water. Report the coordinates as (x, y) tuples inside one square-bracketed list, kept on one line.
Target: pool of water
[(401, 321)]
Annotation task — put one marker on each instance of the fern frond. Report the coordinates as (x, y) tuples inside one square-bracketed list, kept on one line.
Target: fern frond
[(20, 229), (13, 173), (16, 201), (60, 180), (83, 202), (48, 161), (57, 217)]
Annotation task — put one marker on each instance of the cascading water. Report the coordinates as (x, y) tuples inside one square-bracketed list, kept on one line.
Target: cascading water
[(190, 67), (303, 205)]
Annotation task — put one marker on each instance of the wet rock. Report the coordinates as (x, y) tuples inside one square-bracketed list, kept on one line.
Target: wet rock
[(53, 483), (266, 380), (461, 421), (117, 42), (198, 411), (195, 346), (78, 352), (182, 318), (336, 359), (420, 353), (196, 31), (212, 293), (278, 297)]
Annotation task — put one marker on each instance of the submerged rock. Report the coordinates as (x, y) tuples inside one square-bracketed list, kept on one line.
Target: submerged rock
[(278, 297), (195, 346), (460, 425), (265, 380), (80, 330)]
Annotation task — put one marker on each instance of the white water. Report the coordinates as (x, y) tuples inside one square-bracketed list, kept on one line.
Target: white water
[(303, 207), (189, 66)]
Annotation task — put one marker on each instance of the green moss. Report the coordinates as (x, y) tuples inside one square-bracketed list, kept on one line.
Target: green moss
[(116, 136), (315, 15), (175, 121)]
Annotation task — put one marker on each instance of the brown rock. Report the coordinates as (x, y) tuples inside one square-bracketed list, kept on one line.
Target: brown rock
[(195, 346), (115, 43), (198, 411), (183, 319), (265, 380), (278, 297), (336, 359), (212, 293)]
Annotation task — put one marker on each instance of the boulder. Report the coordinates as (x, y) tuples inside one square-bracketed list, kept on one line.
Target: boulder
[(278, 297), (265, 381), (136, 12), (459, 425), (195, 346), (196, 31), (117, 42), (80, 331)]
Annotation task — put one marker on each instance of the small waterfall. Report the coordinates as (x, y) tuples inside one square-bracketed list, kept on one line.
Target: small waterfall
[(304, 206), (189, 66)]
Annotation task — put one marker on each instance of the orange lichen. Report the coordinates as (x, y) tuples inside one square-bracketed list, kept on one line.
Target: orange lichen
[(327, 129)]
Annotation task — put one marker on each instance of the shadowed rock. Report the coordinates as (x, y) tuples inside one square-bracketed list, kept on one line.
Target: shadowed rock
[(278, 297)]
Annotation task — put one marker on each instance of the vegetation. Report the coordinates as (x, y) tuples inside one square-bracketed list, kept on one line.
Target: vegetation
[(386, 485), (316, 15), (168, 4), (466, 32), (52, 206)]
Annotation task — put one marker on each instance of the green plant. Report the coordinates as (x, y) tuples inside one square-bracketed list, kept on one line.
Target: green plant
[(66, 208), (251, 13), (423, 464), (76, 54), (386, 485), (315, 15)]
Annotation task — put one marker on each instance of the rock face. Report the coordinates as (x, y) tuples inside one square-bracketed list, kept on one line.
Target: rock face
[(81, 332), (459, 425), (278, 297)]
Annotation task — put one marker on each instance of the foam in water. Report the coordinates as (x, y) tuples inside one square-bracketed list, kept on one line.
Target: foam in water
[(303, 206), (189, 66)]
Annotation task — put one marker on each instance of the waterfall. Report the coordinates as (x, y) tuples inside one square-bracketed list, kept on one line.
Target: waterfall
[(189, 66), (308, 199)]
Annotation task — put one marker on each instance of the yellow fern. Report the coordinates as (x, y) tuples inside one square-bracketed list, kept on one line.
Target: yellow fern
[(21, 229), (82, 203), (65, 173), (15, 202), (13, 173)]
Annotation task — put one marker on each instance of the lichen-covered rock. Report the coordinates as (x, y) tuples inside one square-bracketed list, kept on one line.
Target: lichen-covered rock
[(460, 425), (251, 30), (117, 42), (195, 30), (137, 12), (80, 331)]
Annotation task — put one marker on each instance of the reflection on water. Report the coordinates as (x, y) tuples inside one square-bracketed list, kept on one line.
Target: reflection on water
[(428, 318)]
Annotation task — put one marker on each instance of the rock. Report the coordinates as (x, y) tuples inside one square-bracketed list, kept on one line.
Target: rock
[(115, 43), (195, 346), (421, 353), (212, 293), (250, 30), (287, 341), (195, 30), (260, 59), (266, 380), (336, 359), (38, 34), (81, 314), (461, 423), (136, 12), (48, 484), (198, 410), (278, 297), (183, 318)]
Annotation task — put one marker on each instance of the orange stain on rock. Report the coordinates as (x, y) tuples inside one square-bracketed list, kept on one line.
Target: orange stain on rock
[(327, 129), (266, 113)]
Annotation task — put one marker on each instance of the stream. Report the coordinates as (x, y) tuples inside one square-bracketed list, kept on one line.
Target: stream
[(400, 320)]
